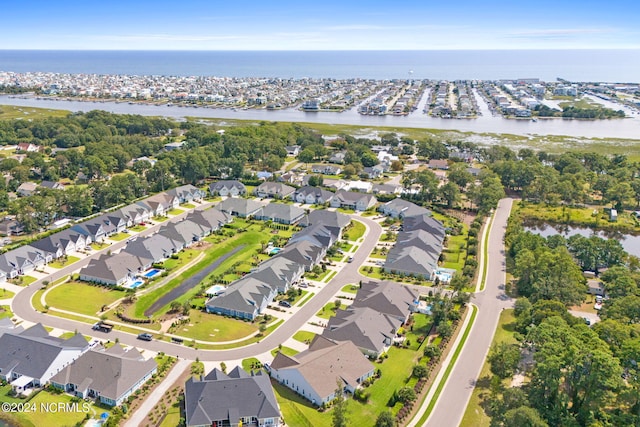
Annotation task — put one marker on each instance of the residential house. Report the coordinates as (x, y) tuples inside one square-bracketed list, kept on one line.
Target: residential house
[(312, 195), (418, 248), (280, 213), (304, 253), (399, 208), (26, 189), (234, 399), (371, 331), (28, 147), (115, 270), (52, 185), (30, 358), (11, 227), (335, 184), (160, 203), (373, 172), (441, 164), (23, 260), (338, 157), (326, 169), (390, 298), (107, 375), (183, 233), (156, 248), (386, 189), (279, 272), (314, 373), (245, 299), (292, 150), (227, 188), (243, 208), (171, 146), (360, 186), (326, 218), (276, 190), (353, 200), (186, 193), (50, 246), (211, 219)]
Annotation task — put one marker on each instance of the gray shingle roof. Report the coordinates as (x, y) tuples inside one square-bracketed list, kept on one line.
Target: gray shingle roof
[(229, 397), (365, 327), (111, 372), (31, 352)]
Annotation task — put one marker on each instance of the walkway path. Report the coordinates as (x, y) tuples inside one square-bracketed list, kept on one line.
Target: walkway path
[(141, 413)]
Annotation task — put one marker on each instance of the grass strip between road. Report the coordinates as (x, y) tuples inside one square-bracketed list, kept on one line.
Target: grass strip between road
[(485, 253), (449, 367), (305, 299)]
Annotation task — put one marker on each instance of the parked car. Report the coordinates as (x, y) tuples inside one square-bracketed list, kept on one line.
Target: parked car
[(102, 327), (145, 337), (284, 303), (350, 259)]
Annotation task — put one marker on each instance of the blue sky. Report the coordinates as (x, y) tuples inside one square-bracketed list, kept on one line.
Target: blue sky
[(319, 25)]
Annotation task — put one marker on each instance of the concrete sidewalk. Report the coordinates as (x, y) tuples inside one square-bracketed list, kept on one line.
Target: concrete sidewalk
[(141, 413)]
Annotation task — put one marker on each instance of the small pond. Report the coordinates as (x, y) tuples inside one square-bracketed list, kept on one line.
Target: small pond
[(630, 242)]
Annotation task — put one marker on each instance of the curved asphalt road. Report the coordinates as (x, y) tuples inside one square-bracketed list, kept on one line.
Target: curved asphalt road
[(21, 307), (456, 393)]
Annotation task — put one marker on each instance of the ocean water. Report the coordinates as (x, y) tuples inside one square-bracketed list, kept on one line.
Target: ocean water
[(548, 65)]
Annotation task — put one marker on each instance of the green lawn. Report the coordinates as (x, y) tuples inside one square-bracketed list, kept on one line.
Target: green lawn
[(172, 418), (355, 232), (188, 205), (119, 237), (317, 277), (395, 371), (287, 351), (304, 336), (251, 240), (6, 294), (212, 327), (175, 211), (328, 310), (138, 228), (4, 396), (5, 311), (375, 274), (351, 289), (27, 280), (68, 335), (81, 297), (42, 417), (474, 415), (70, 259), (99, 245), (455, 251), (248, 363)]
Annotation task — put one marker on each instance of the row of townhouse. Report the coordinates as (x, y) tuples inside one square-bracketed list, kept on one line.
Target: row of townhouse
[(37, 254), (340, 354), (141, 254), (32, 358), (249, 296), (418, 246)]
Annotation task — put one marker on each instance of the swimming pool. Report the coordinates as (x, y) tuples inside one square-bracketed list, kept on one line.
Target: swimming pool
[(150, 273), (274, 251), (135, 283), (215, 290)]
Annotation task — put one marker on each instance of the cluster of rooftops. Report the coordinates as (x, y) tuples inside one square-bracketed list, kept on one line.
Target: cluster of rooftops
[(33, 358), (38, 253), (249, 296)]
